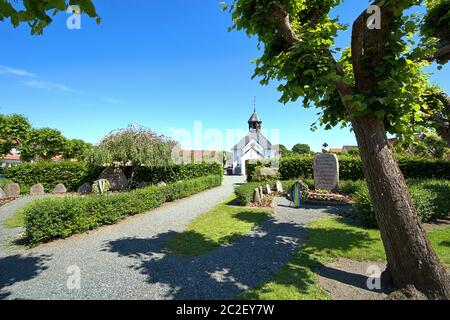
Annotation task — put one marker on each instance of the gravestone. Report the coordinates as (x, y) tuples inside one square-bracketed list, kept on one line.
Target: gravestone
[(60, 189), (326, 171), (142, 185), (2, 194), (279, 186), (37, 189), (267, 189), (85, 188), (12, 190), (256, 196), (116, 178), (161, 184), (261, 193)]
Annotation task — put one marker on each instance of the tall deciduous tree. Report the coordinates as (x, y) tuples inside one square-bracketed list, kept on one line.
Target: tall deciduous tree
[(75, 149), (14, 129), (132, 147), (301, 148), (375, 87), (42, 144)]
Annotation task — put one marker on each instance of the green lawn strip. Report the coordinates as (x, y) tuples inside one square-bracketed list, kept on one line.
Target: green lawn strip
[(222, 225), (329, 239), (17, 220)]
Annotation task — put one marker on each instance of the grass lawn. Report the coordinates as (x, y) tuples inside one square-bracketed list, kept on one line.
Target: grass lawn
[(15, 221), (222, 225), (328, 239)]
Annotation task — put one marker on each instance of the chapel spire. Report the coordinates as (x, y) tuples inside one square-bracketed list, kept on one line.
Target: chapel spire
[(254, 123)]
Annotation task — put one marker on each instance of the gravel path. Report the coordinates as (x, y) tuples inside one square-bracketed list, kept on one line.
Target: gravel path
[(7, 211), (128, 260)]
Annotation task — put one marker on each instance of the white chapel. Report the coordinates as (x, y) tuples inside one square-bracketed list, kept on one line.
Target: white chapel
[(254, 146)]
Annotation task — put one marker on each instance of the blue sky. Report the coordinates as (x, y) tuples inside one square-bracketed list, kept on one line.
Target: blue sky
[(162, 64)]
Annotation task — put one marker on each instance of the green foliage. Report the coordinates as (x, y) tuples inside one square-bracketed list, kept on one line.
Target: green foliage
[(244, 192), (14, 129), (428, 145), (301, 148), (38, 13), (60, 217), (75, 149), (42, 144), (263, 174), (429, 196), (101, 186), (437, 19), (71, 174), (173, 173), (350, 168), (133, 146)]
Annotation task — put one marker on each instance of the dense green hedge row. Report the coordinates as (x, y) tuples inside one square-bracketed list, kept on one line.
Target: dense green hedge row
[(431, 198), (74, 174), (71, 174), (350, 168), (177, 172), (60, 217)]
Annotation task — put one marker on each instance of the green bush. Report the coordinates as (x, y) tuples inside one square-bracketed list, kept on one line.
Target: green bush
[(244, 193), (350, 168), (74, 174), (153, 175), (71, 174), (431, 198), (60, 217)]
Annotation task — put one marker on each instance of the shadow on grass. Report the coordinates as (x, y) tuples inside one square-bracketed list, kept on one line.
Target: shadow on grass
[(268, 254), (445, 243), (18, 268)]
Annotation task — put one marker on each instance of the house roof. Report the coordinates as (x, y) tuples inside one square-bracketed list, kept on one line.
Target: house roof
[(336, 150), (257, 136)]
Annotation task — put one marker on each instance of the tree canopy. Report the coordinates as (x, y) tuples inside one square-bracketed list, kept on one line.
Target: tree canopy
[(301, 148), (38, 14)]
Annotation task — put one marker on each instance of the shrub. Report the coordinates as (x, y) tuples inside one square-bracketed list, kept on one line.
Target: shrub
[(74, 174), (244, 193), (350, 168), (71, 174), (60, 217), (174, 173), (431, 198)]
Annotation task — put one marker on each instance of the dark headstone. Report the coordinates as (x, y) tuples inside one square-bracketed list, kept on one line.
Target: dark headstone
[(142, 185), (85, 188), (37, 189), (326, 171), (60, 189), (116, 178), (12, 190)]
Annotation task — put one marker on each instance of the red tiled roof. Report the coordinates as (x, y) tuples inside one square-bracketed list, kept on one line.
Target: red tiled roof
[(11, 156)]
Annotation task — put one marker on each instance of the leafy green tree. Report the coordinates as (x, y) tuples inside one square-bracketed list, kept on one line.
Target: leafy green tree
[(132, 147), (283, 150), (353, 152), (75, 149), (38, 13), (42, 144), (301, 148), (376, 86), (14, 129)]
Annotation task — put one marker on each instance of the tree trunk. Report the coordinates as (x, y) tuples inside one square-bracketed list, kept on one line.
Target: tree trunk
[(411, 259)]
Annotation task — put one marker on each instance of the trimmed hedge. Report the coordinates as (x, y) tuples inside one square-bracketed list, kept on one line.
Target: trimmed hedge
[(60, 217), (431, 198), (71, 174), (350, 168), (169, 174), (74, 174)]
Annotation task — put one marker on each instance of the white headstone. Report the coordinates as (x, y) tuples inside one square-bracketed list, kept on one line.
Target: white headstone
[(326, 171), (256, 196), (279, 186), (267, 189)]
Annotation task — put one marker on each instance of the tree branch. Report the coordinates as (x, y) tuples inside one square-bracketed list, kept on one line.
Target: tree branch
[(441, 55)]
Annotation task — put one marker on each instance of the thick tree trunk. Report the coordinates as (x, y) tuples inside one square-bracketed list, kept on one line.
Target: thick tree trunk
[(411, 259)]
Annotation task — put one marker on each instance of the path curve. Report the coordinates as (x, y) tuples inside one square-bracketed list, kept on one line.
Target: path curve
[(128, 260)]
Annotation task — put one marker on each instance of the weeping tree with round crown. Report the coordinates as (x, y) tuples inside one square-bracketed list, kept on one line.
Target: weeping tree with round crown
[(378, 85)]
